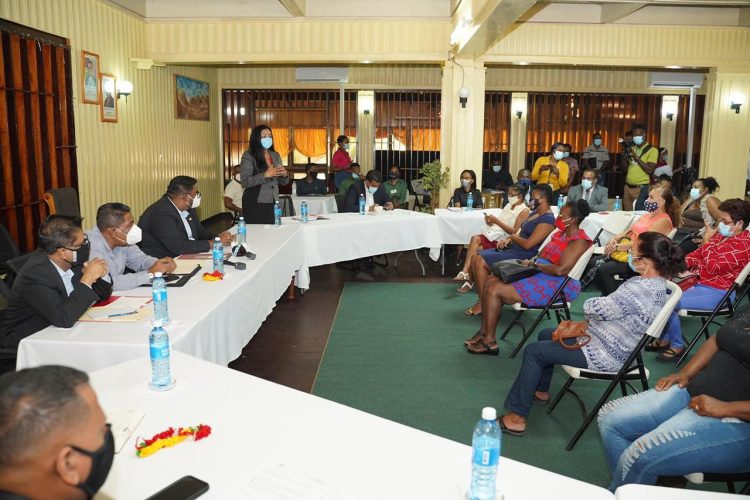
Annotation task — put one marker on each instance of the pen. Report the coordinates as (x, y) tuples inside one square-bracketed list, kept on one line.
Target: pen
[(121, 314)]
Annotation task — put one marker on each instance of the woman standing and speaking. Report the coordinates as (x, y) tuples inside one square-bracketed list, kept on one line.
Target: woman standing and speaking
[(261, 172)]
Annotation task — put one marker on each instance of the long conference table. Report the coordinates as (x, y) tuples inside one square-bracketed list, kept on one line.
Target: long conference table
[(215, 320)]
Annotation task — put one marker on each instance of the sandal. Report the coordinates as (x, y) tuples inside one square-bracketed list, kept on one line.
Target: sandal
[(462, 276), (506, 430), (466, 287), (669, 355), (470, 312), (656, 346), (486, 348), (478, 337)]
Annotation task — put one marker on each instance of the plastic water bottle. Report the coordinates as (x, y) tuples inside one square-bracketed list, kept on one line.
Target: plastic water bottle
[(485, 456), (218, 255), (158, 343), (276, 214), (294, 188), (241, 231), (560, 203), (304, 211), (469, 201), (159, 294), (362, 204), (618, 204)]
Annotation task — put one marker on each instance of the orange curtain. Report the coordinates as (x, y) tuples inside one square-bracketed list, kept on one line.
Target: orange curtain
[(490, 139), (281, 141), (310, 142), (399, 134), (381, 132), (425, 139)]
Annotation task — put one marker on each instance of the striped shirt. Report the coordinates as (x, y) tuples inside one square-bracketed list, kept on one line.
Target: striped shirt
[(720, 259)]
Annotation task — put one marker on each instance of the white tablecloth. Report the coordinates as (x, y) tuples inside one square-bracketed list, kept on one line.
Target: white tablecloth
[(258, 425), (457, 228), (642, 492), (317, 205), (210, 320)]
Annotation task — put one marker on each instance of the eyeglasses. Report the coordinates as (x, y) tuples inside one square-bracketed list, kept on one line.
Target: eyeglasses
[(84, 244)]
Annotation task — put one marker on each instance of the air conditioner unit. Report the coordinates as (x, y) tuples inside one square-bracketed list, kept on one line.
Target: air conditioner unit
[(675, 79), (318, 74)]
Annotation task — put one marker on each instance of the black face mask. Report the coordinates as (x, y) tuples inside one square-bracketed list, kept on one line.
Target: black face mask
[(533, 204), (81, 255), (101, 463), (394, 175)]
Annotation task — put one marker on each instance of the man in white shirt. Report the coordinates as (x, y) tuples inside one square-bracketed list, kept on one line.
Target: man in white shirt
[(115, 239), (233, 192)]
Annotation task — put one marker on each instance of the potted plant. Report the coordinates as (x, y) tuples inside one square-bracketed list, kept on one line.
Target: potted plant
[(434, 178)]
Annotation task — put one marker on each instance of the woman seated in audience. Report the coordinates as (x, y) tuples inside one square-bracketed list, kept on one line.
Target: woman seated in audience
[(510, 220), (615, 325), (697, 420), (664, 214), (700, 209), (522, 245), (468, 185), (713, 266), (554, 262)]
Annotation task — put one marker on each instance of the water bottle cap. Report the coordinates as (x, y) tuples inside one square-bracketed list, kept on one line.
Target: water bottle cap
[(242, 218), (157, 275), (217, 239), (489, 413), (157, 323)]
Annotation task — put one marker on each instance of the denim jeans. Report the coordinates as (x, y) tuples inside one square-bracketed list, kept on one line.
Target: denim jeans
[(654, 433), (539, 360), (699, 298)]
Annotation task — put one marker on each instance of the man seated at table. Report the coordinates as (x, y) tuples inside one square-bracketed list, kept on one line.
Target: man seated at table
[(396, 188), (56, 285), (115, 240), (351, 179), (591, 191), (497, 177), (171, 226), (372, 190), (54, 438), (233, 192), (310, 185)]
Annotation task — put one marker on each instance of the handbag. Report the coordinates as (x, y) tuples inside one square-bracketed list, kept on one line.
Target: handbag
[(621, 255), (511, 271), (687, 281), (569, 330)]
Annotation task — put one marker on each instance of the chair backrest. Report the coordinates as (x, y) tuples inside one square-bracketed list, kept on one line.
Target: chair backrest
[(8, 247), (742, 277), (577, 271), (666, 311), (416, 186), (63, 201), (671, 234), (617, 222)]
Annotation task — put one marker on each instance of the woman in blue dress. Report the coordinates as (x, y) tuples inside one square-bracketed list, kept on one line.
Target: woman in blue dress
[(523, 245)]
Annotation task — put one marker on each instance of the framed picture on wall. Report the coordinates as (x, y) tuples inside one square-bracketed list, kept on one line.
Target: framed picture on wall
[(108, 107), (90, 77), (191, 99)]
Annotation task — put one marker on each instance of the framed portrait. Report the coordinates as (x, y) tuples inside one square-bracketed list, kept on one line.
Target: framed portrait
[(108, 106), (90, 77), (191, 99)]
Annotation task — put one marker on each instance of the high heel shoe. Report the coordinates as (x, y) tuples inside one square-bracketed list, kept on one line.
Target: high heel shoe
[(462, 276)]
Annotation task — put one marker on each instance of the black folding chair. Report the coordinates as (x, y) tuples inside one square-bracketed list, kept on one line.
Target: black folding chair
[(632, 369)]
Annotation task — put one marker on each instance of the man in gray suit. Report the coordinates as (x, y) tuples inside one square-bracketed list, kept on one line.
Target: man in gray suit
[(590, 191)]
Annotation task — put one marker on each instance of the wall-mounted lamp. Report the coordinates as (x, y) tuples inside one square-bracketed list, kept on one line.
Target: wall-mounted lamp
[(670, 116), (124, 89), (736, 102), (366, 111), (735, 106), (463, 96), (519, 114)]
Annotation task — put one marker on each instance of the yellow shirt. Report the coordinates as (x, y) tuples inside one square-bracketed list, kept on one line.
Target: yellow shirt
[(636, 175), (547, 177)]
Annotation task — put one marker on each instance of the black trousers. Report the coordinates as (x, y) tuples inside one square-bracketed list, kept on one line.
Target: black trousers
[(605, 276), (254, 212)]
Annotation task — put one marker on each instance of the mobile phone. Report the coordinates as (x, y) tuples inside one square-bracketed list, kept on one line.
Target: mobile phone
[(185, 488)]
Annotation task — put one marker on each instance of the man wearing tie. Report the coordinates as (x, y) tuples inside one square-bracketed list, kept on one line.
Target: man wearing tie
[(171, 226), (591, 191)]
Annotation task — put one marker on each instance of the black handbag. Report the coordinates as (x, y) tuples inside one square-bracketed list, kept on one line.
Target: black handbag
[(511, 271)]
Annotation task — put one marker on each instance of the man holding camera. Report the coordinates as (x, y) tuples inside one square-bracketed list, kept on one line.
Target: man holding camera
[(641, 158)]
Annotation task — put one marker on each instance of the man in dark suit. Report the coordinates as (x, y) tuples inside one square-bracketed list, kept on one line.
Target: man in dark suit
[(373, 191), (171, 227), (56, 285), (590, 190)]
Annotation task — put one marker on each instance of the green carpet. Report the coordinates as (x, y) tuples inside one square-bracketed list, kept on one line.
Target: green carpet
[(396, 350)]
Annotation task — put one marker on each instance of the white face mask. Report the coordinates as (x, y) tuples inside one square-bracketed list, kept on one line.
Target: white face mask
[(558, 155), (133, 237), (513, 200), (196, 201)]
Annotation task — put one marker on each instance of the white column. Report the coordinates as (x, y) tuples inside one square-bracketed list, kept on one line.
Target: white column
[(366, 129), (669, 125), (518, 104)]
